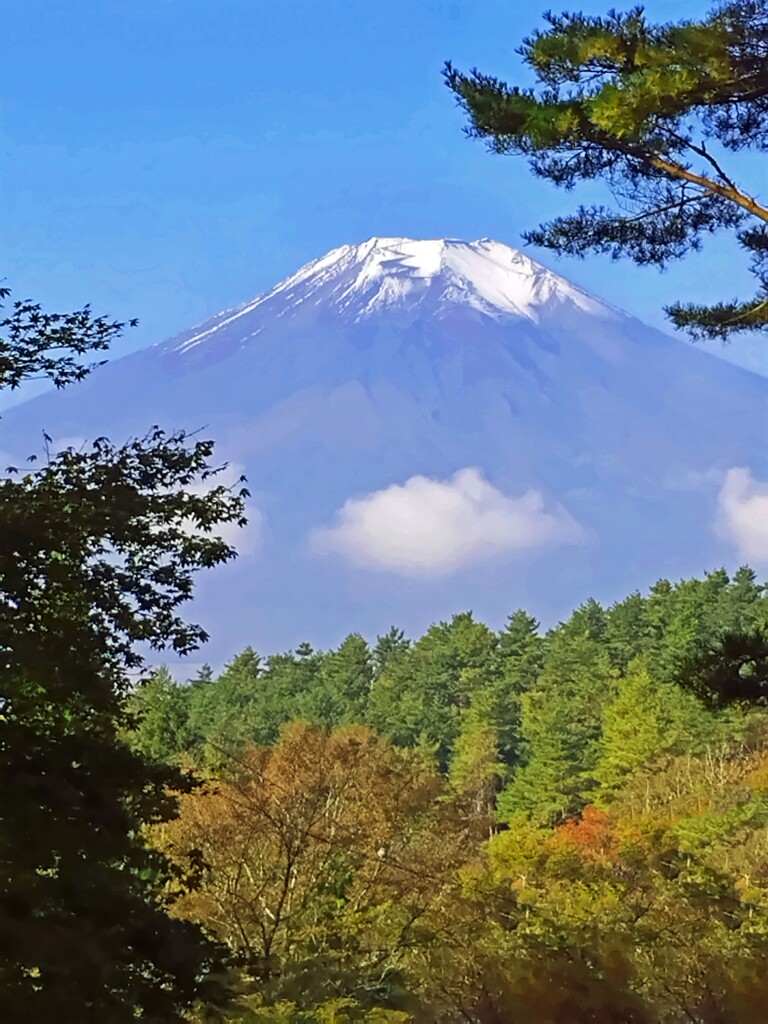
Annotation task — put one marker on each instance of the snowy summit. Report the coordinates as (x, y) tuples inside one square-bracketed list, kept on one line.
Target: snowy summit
[(385, 275)]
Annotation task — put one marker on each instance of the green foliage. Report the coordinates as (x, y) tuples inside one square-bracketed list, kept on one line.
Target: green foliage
[(669, 932), (335, 1011), (389, 646), (651, 111), (38, 345), (522, 650), (550, 720), (561, 724), (628, 631), (158, 713), (647, 719), (476, 770), (222, 716), (629, 916), (421, 695), (96, 555), (340, 693)]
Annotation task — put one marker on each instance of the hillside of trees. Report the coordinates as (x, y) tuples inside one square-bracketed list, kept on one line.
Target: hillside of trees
[(479, 826)]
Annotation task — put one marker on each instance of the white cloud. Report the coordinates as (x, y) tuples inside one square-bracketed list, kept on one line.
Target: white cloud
[(430, 527), (743, 514)]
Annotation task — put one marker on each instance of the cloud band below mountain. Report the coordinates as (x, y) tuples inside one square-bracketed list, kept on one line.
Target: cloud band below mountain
[(428, 527)]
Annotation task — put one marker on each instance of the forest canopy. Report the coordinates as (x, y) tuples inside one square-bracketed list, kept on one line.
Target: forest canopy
[(480, 825)]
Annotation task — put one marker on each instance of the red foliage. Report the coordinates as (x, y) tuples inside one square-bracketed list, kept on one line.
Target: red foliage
[(590, 834)]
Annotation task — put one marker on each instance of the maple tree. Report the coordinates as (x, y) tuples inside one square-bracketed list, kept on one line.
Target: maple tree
[(99, 547), (323, 855)]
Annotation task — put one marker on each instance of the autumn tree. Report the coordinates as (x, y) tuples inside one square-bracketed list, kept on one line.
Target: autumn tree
[(602, 919), (655, 112), (323, 857), (354, 880)]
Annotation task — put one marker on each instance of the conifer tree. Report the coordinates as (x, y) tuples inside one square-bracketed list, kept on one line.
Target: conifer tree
[(715, 638), (521, 648), (203, 677), (645, 720), (420, 697), (225, 715), (477, 770), (560, 724), (392, 644), (655, 112), (341, 691), (160, 715), (628, 630)]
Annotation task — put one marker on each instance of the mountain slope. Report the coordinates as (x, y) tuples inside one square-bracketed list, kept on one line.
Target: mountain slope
[(434, 425)]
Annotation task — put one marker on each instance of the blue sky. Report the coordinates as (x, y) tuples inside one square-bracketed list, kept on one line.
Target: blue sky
[(166, 159)]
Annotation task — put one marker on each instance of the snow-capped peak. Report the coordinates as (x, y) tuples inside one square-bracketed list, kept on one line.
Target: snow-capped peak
[(361, 282), (391, 271)]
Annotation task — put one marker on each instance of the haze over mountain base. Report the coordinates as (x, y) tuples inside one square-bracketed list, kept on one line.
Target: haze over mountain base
[(433, 426)]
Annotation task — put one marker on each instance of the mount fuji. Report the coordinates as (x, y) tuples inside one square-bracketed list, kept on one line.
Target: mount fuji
[(432, 426)]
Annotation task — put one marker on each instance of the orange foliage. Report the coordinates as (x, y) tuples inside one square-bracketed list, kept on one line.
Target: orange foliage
[(591, 834), (310, 839)]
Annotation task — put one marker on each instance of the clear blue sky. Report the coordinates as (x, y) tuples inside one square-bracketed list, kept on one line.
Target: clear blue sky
[(169, 158)]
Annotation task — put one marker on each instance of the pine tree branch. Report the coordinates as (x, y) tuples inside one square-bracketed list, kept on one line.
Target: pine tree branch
[(640, 217), (676, 170), (704, 153)]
